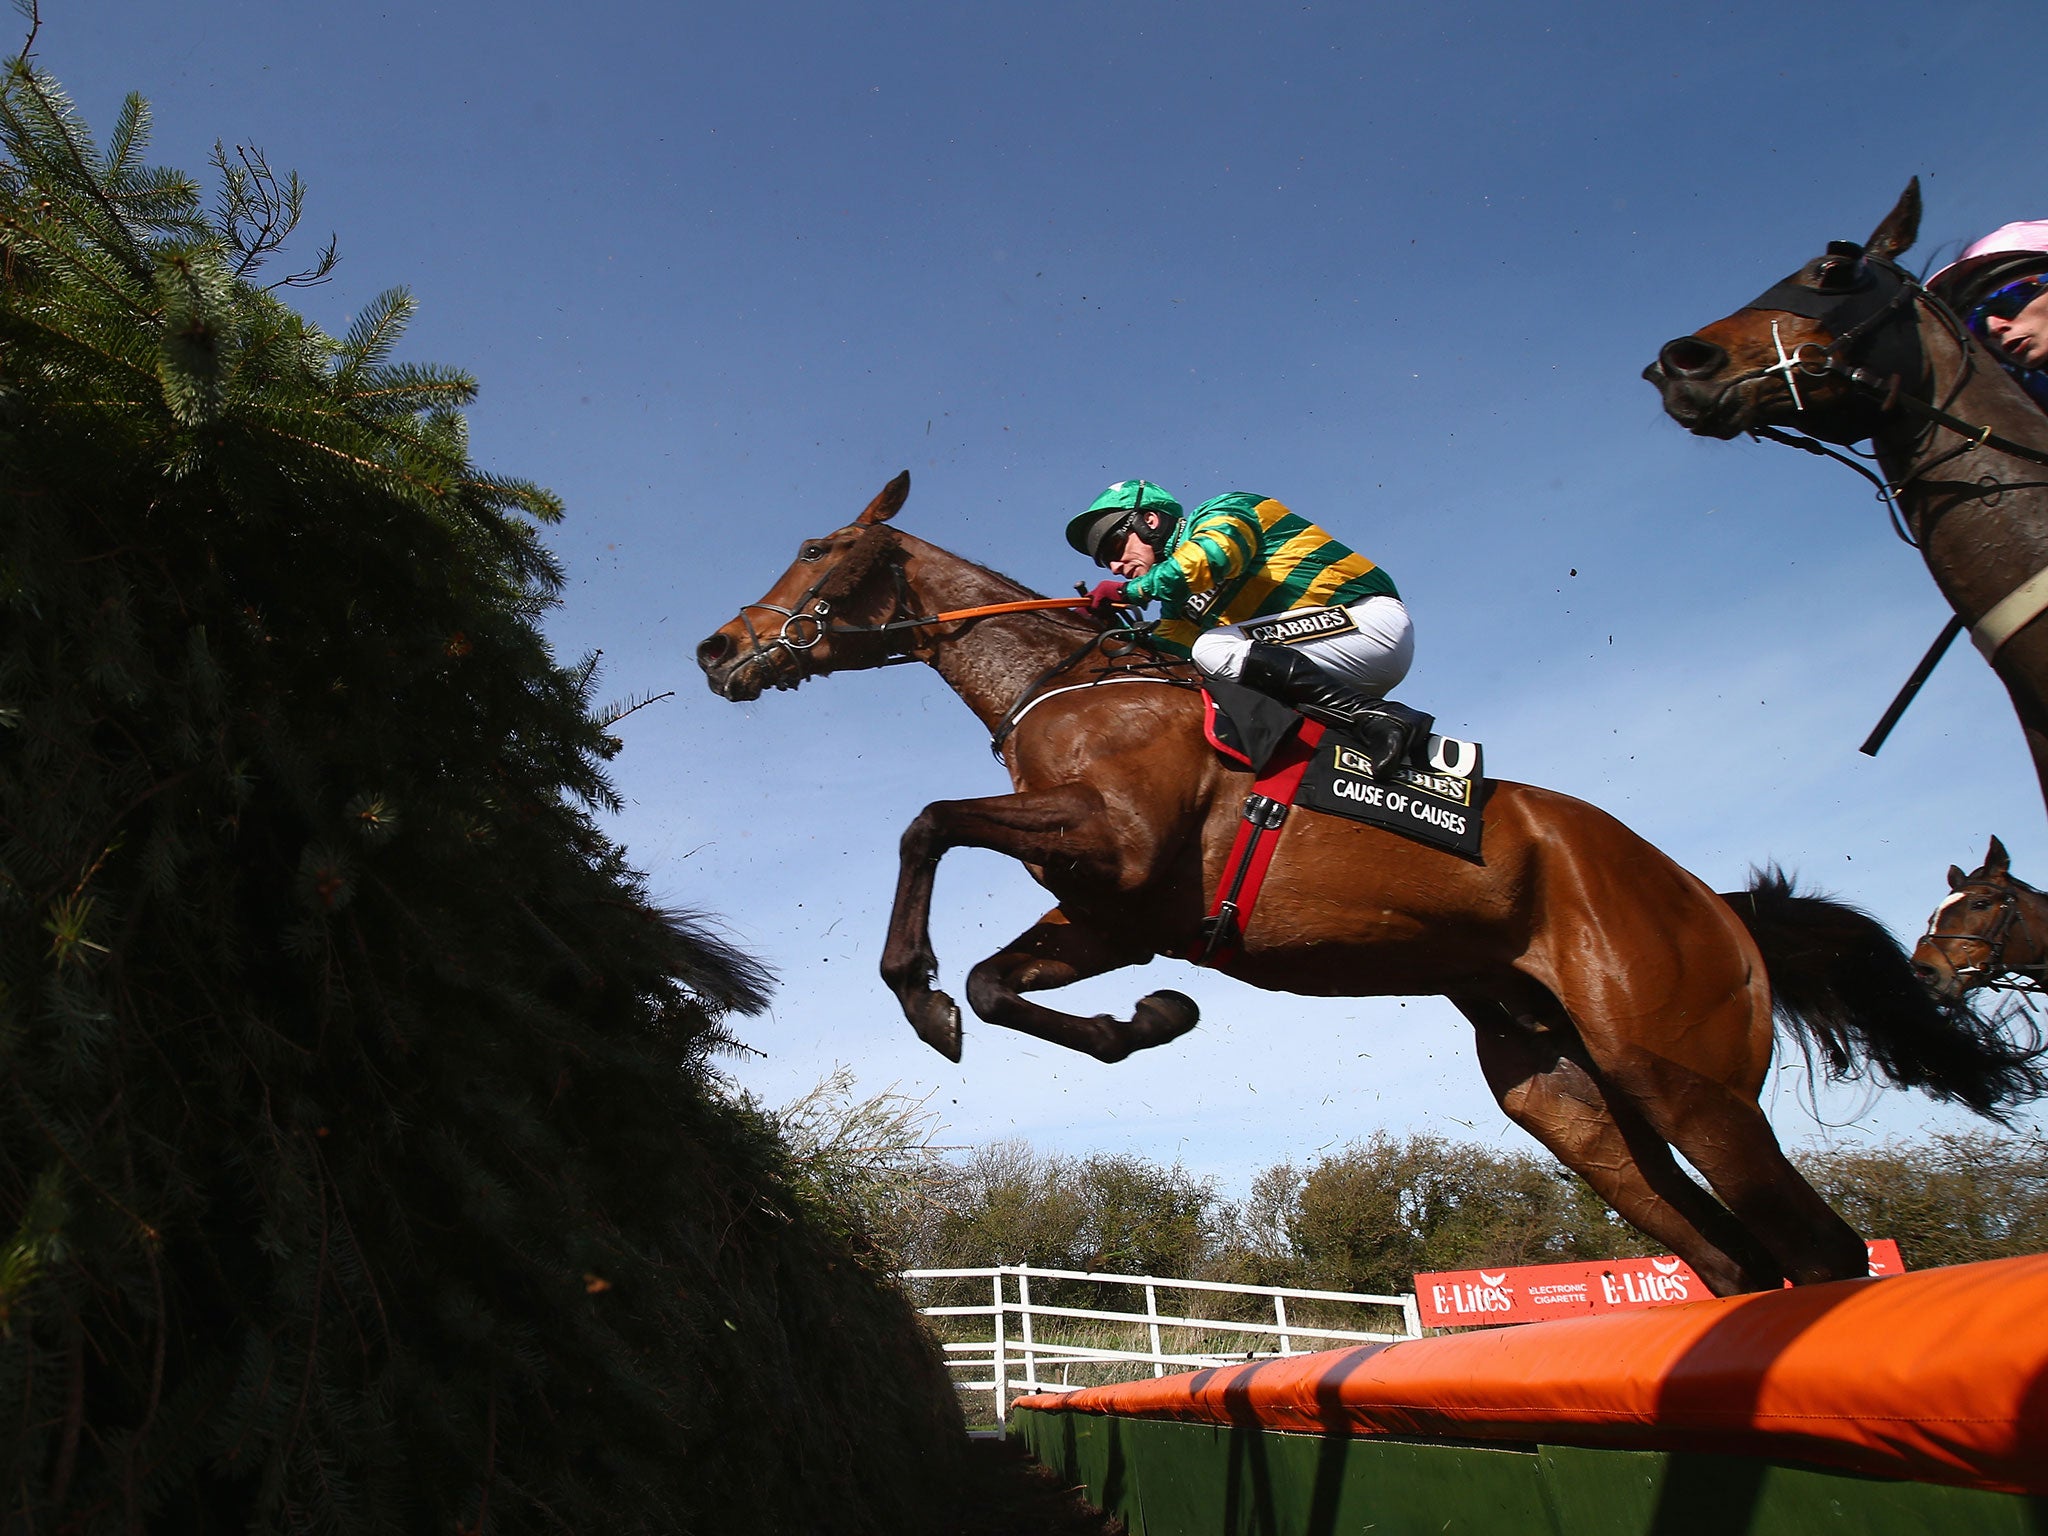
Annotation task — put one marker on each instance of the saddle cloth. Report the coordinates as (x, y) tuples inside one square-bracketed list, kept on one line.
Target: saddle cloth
[(1439, 802)]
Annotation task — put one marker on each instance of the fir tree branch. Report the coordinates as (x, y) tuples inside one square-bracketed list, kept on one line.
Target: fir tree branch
[(78, 341), (613, 713), (483, 1503), (33, 11), (26, 73), (257, 214), (384, 471), (363, 1260), (148, 1233), (313, 1334), (74, 1415), (130, 1482)]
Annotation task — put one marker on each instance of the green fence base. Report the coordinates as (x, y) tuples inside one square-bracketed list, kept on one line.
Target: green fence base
[(1164, 1478)]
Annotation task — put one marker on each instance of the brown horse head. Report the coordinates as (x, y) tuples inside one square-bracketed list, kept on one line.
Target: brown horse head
[(824, 614), (1775, 361), (1991, 926)]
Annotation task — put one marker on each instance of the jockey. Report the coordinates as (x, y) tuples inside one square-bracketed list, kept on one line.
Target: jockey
[(1222, 577), (2000, 287)]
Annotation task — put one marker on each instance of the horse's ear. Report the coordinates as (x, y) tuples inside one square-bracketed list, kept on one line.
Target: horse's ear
[(1956, 878), (1996, 860), (888, 503), (1901, 227)]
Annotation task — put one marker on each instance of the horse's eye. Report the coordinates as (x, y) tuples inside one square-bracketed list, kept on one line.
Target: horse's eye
[(813, 551), (1981, 904)]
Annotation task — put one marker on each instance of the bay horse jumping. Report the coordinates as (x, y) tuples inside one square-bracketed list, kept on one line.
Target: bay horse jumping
[(1852, 346), (1990, 931), (1621, 1009)]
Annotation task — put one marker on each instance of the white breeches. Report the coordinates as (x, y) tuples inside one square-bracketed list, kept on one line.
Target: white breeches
[(1373, 658)]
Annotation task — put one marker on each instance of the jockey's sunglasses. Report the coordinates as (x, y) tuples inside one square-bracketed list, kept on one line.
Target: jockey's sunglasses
[(2007, 302), (1112, 543)]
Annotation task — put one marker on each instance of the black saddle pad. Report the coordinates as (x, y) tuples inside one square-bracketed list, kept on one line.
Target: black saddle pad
[(1443, 810)]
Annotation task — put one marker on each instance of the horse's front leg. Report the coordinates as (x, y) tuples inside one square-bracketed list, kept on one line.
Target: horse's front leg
[(1054, 952), (1063, 828)]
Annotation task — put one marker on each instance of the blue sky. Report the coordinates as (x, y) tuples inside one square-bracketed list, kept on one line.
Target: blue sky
[(723, 271)]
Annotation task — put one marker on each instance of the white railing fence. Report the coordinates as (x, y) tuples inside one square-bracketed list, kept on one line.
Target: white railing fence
[(1050, 1344)]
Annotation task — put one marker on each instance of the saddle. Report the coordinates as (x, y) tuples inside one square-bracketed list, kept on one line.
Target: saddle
[(1250, 727), (1433, 791)]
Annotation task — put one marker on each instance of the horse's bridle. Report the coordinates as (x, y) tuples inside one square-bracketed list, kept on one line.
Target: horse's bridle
[(1992, 973), (1868, 314), (808, 620)]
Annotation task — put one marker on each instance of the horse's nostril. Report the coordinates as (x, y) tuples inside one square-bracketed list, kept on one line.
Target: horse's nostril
[(1691, 358), (713, 651)]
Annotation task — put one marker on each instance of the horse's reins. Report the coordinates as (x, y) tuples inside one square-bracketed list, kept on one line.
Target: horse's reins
[(1994, 968), (1818, 362), (1029, 698), (817, 611), (808, 620), (1815, 361)]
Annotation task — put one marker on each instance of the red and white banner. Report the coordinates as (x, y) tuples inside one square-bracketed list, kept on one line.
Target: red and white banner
[(1477, 1298)]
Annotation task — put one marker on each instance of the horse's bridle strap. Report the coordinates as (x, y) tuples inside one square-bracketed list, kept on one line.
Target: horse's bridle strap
[(2011, 614), (806, 623), (1977, 437), (1994, 941), (1816, 361)]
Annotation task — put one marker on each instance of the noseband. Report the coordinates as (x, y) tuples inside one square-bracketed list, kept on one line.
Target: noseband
[(808, 620), (2026, 975)]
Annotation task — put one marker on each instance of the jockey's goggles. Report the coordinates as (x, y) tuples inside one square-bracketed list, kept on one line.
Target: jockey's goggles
[(1111, 543), (2007, 302)]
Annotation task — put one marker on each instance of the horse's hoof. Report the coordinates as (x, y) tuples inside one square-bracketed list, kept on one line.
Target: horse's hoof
[(1165, 1015), (937, 1022), (1158, 1018)]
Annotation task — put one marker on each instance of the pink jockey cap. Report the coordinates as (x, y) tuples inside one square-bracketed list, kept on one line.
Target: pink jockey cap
[(2026, 235)]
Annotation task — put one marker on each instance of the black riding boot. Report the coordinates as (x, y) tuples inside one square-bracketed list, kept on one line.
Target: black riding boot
[(1385, 729)]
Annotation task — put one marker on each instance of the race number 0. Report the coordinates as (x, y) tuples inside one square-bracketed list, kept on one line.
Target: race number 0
[(1454, 757)]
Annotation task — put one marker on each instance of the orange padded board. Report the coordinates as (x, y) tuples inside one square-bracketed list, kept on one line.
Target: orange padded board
[(1940, 1376)]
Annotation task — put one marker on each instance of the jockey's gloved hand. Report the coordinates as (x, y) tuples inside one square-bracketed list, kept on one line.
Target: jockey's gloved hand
[(1104, 596)]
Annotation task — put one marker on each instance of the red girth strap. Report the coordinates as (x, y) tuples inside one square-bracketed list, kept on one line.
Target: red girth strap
[(1258, 837)]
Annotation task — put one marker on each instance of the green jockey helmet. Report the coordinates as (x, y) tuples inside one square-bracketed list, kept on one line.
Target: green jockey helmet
[(1114, 512)]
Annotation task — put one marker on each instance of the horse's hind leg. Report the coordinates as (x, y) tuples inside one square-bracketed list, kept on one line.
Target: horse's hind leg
[(1727, 1138), (1538, 1070), (1053, 952)]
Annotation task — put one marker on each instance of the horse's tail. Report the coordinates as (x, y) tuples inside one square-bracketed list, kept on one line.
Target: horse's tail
[(1842, 987)]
